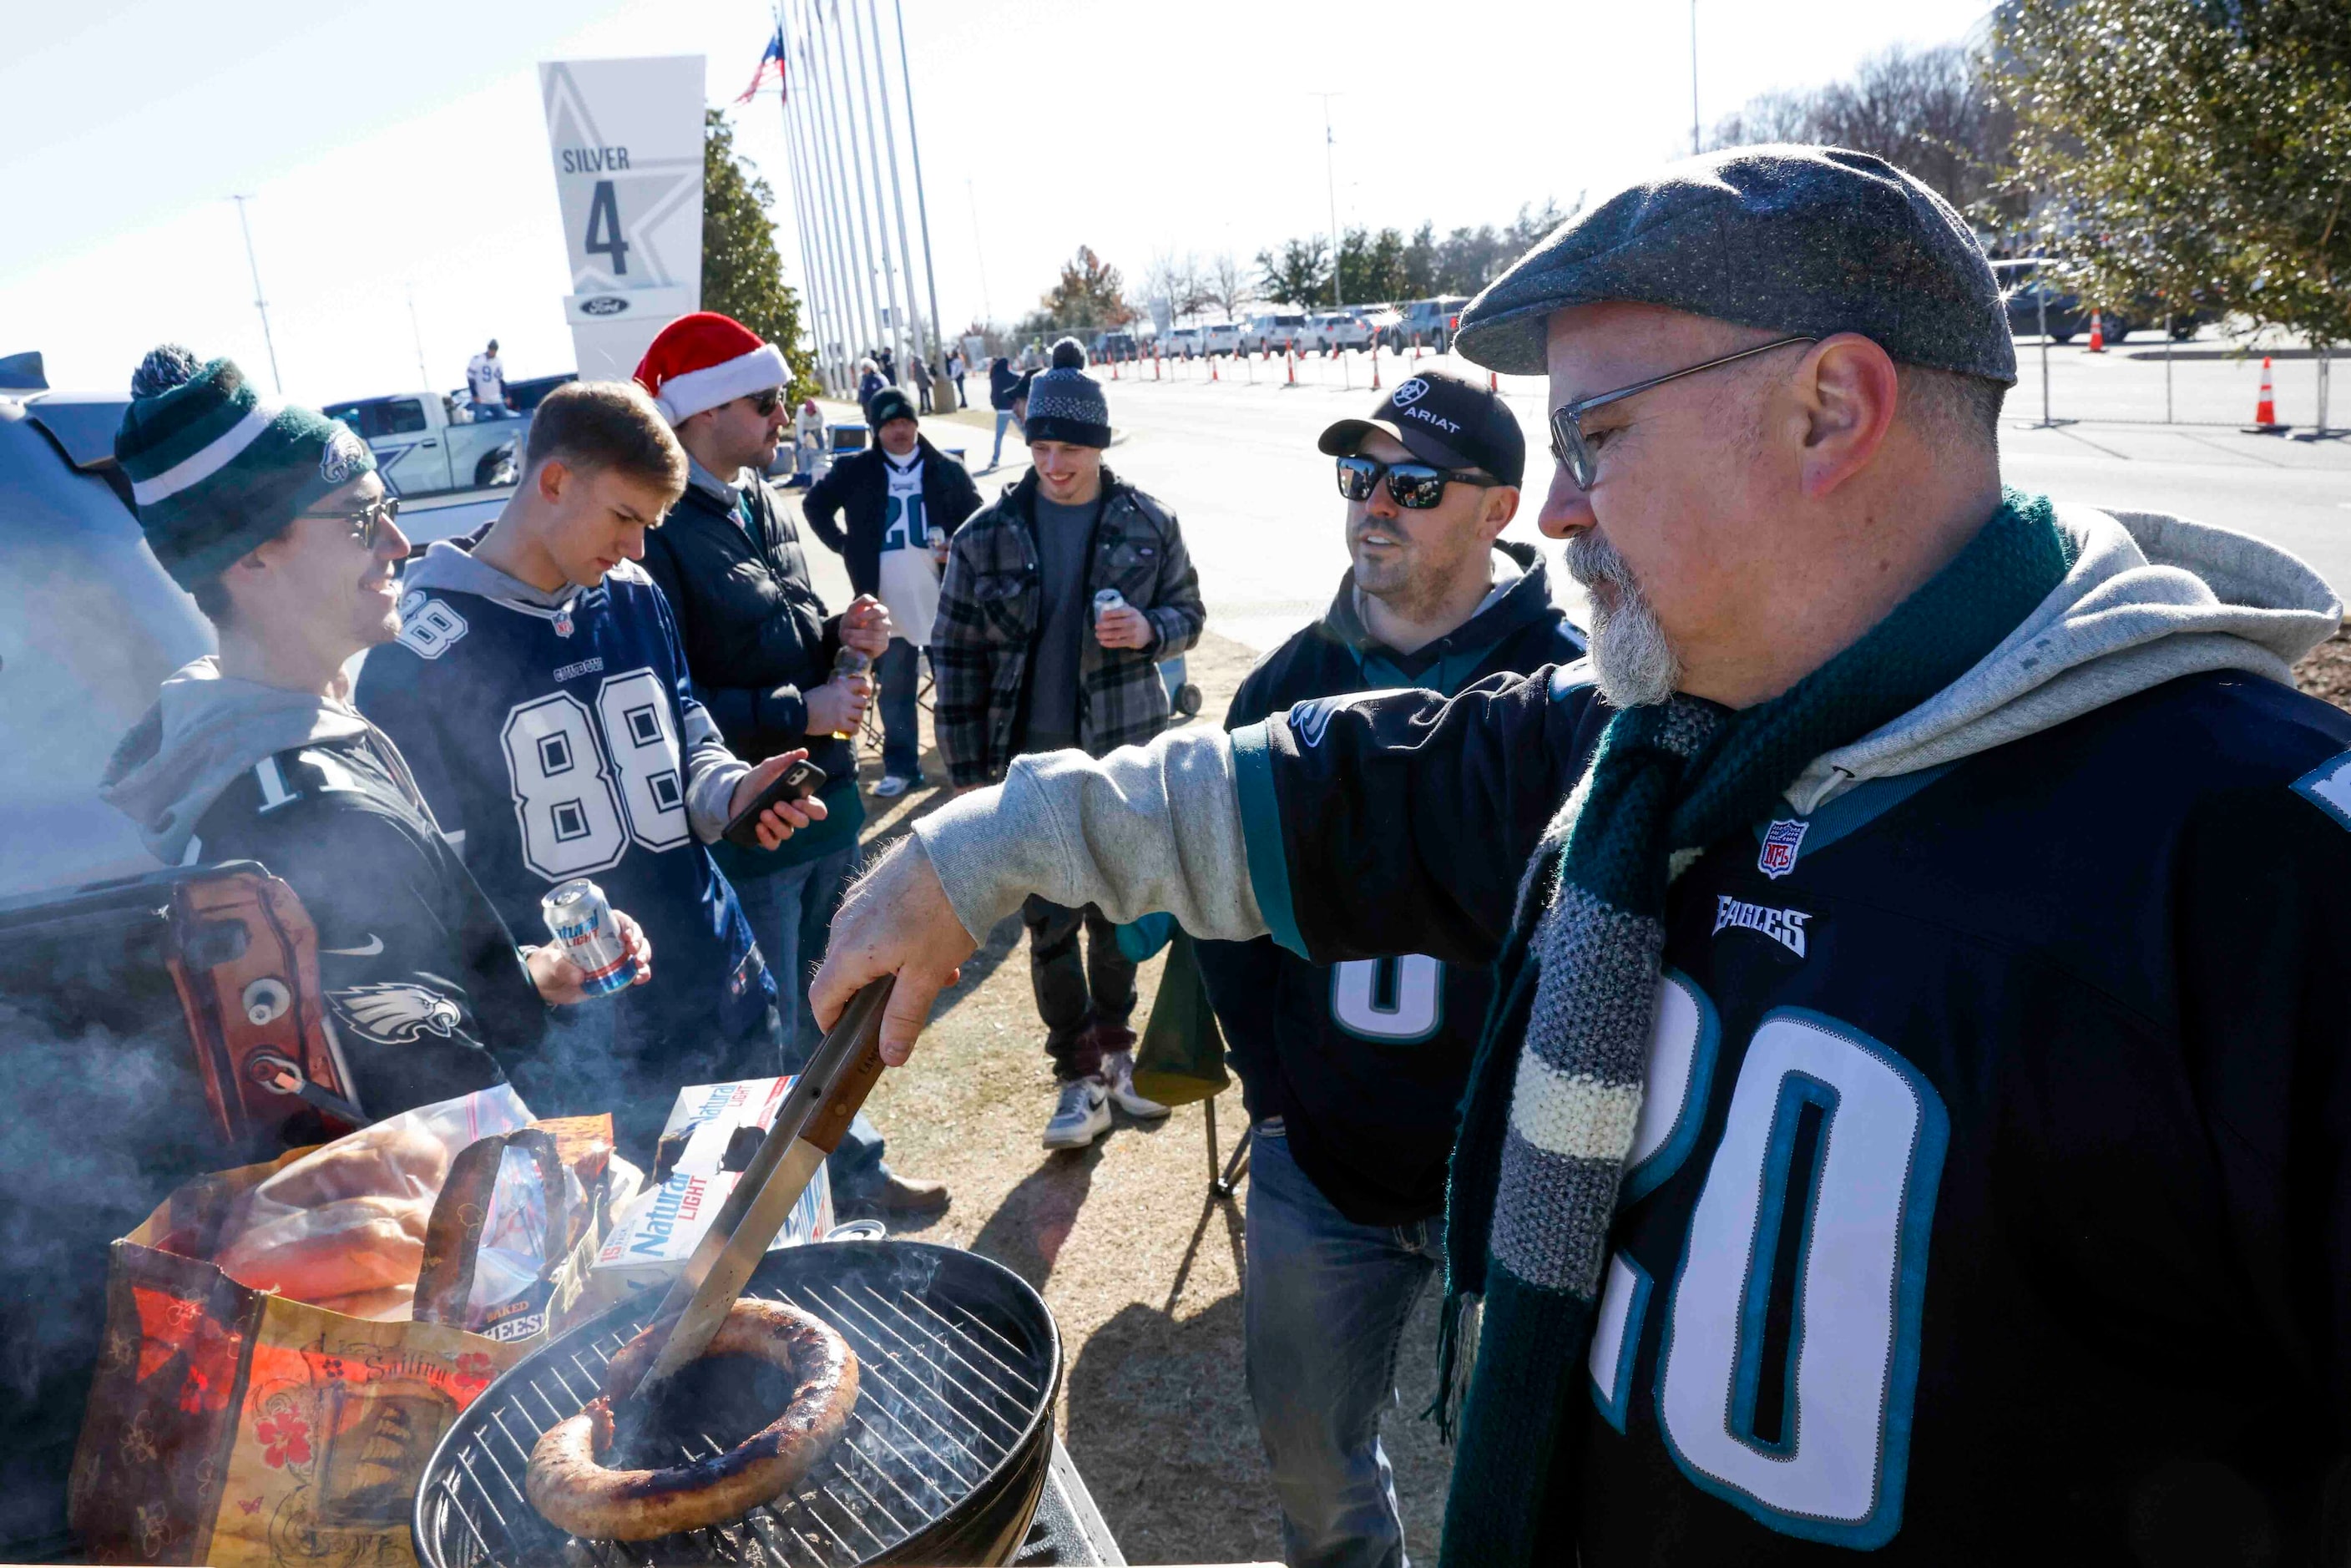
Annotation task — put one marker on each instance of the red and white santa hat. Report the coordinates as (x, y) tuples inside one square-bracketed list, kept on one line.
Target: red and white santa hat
[(704, 360)]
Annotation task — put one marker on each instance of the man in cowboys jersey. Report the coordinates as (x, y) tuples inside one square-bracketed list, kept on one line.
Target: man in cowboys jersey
[(539, 692), (1351, 1072)]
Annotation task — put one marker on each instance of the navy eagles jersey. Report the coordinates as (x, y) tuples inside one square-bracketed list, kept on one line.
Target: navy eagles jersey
[(561, 740), (427, 998), (1990, 1199), (1365, 1061)]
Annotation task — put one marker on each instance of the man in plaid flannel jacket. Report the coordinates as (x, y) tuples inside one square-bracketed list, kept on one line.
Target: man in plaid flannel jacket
[(1024, 664)]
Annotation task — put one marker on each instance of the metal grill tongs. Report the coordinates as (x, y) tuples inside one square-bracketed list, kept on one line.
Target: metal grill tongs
[(809, 1126)]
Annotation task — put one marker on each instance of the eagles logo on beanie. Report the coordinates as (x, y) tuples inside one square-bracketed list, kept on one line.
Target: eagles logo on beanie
[(701, 361), (214, 471)]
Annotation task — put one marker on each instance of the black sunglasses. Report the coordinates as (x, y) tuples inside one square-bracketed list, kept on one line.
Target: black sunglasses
[(764, 404), (369, 520), (1568, 447), (1415, 486)]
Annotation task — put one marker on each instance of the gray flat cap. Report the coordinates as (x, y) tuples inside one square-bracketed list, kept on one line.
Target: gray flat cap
[(1790, 239)]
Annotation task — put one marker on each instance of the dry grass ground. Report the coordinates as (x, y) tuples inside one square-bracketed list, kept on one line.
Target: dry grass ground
[(1142, 1271)]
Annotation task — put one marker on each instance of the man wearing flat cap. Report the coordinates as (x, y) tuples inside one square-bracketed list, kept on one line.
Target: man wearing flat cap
[(1916, 1115)]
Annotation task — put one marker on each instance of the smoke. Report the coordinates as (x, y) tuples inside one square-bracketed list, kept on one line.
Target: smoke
[(106, 1123), (1631, 657)]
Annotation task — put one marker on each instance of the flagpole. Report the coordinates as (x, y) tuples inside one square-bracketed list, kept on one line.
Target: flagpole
[(922, 206), (897, 190), (853, 228), (823, 307), (820, 163), (881, 220), (812, 293)]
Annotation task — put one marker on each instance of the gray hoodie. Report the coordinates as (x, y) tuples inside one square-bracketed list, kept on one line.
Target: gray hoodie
[(205, 729), (2150, 597)]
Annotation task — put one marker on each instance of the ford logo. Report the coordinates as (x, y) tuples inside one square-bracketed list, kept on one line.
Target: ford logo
[(603, 305)]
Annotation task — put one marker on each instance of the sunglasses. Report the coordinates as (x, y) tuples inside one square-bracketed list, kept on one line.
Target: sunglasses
[(1572, 452), (367, 521), (1415, 486), (765, 403)]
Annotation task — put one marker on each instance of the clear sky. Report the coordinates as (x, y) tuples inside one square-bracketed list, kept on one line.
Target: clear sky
[(398, 151)]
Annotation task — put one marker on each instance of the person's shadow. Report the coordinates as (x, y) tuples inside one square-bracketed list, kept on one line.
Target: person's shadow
[(1030, 1228)]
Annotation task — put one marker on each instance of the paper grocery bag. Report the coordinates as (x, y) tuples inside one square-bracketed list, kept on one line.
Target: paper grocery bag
[(1182, 1056), (242, 1429)]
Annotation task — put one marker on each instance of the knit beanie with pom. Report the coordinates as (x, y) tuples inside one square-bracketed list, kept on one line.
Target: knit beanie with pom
[(214, 471)]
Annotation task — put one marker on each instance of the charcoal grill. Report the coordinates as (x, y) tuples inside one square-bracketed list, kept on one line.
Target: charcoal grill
[(944, 1459)]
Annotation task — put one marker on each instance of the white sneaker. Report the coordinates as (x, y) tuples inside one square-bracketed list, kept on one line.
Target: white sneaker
[(893, 785), (1082, 1115), (1118, 1075)]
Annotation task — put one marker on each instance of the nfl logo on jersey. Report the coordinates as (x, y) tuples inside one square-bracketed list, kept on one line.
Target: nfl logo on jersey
[(1780, 842)]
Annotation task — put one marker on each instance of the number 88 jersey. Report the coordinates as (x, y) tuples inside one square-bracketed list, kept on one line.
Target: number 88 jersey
[(558, 737)]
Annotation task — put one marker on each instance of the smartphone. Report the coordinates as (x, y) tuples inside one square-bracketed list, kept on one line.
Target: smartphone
[(798, 782)]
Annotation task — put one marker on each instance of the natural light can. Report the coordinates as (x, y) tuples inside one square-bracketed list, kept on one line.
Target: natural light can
[(1109, 598), (582, 925)]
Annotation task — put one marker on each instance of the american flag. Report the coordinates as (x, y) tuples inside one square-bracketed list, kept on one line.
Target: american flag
[(770, 63)]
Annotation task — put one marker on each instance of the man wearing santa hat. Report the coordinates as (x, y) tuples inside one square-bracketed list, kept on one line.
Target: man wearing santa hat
[(761, 648)]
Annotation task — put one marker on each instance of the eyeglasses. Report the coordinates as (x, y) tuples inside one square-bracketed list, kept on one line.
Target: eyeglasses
[(1415, 486), (367, 521), (764, 404), (1569, 450)]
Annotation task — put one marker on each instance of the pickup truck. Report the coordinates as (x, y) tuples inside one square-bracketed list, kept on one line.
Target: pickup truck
[(422, 450)]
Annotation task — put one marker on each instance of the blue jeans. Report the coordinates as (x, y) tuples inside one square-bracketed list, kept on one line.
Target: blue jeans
[(900, 671), (791, 914), (1003, 418), (1323, 1310)]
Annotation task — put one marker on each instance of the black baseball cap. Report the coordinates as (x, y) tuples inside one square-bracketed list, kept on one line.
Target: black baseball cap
[(1442, 420)]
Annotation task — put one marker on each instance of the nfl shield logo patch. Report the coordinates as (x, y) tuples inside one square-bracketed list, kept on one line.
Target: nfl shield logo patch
[(563, 622), (1780, 844)]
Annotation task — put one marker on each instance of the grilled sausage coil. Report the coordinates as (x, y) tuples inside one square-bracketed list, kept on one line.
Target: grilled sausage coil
[(570, 1484)]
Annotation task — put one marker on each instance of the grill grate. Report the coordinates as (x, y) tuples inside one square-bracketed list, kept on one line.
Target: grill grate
[(944, 1400)]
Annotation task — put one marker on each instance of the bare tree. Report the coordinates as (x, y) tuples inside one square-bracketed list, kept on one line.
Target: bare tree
[(1228, 286), (1178, 284)]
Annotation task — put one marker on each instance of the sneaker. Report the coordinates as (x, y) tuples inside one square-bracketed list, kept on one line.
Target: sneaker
[(1118, 1076), (893, 785), (1082, 1115)]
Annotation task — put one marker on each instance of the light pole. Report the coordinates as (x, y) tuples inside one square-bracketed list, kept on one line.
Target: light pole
[(1330, 190), (267, 341), (425, 377), (1693, 79), (921, 202)]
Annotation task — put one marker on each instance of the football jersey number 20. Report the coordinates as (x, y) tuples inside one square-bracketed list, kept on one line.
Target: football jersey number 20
[(581, 800), (1788, 1351)]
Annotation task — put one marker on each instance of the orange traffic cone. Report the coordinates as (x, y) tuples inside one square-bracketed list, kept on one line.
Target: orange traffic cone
[(1493, 382), (2265, 419), (1154, 362), (1416, 351), (1375, 367), (1212, 369), (1290, 359), (2097, 334)]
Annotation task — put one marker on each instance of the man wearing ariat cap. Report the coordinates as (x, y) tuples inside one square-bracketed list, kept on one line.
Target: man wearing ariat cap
[(1025, 663), (1351, 1072), (273, 517), (1915, 1116), (761, 644)]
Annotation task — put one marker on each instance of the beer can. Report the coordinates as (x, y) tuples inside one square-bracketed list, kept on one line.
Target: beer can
[(582, 925), (938, 538), (1108, 599)]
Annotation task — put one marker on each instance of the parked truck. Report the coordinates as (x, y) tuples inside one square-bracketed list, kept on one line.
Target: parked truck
[(423, 449)]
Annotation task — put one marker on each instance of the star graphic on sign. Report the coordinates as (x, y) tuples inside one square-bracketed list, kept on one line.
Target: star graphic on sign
[(647, 192)]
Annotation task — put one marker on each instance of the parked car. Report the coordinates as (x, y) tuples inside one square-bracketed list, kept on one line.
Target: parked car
[(1224, 338), (1332, 330), (1429, 324), (1109, 348), (2066, 319), (1183, 343), (1382, 322), (421, 450), (1272, 332)]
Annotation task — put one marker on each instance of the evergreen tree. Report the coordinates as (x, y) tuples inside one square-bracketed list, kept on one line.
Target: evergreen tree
[(742, 276)]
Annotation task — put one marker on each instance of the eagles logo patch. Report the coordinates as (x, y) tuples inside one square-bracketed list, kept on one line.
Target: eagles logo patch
[(345, 458), (398, 1012)]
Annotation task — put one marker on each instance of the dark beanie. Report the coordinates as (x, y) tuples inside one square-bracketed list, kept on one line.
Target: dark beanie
[(889, 403), (1068, 405), (214, 471), (1069, 354)]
